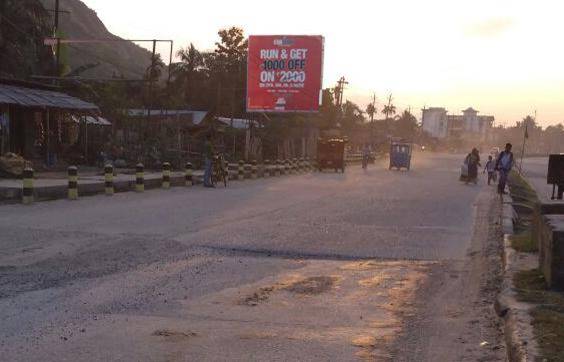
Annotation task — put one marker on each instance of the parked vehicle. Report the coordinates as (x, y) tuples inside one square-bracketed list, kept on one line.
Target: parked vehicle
[(331, 154), (400, 155)]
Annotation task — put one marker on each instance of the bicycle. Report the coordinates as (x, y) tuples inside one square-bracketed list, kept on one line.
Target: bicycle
[(219, 170)]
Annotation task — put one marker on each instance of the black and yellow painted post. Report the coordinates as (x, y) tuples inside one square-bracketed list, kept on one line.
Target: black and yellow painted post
[(109, 179), (139, 177), (72, 172), (294, 166), (287, 167), (241, 170), (189, 174), (27, 191), (166, 175), (266, 168), (254, 169)]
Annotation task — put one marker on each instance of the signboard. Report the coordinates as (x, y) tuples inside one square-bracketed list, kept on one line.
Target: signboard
[(284, 73)]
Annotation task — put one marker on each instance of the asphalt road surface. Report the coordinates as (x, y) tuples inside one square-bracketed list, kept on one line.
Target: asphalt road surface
[(366, 265)]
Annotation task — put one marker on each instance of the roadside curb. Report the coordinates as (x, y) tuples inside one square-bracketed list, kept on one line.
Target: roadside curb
[(518, 330)]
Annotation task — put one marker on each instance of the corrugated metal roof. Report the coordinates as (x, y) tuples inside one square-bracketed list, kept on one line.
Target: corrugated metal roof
[(100, 121), (238, 123), (31, 97), (196, 116)]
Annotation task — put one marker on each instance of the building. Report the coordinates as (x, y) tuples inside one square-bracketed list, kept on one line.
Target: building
[(434, 122), (42, 124), (468, 126)]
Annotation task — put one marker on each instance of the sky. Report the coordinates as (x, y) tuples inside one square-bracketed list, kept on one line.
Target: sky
[(503, 58)]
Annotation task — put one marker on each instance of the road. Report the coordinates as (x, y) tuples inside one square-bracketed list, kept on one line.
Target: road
[(535, 170), (366, 265)]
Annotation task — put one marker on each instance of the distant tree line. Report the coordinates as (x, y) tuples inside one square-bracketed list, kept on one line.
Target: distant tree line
[(537, 140)]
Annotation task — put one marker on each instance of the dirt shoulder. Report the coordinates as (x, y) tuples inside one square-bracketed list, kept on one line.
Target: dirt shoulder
[(456, 320)]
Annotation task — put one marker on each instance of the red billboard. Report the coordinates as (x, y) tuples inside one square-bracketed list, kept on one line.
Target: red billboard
[(284, 73)]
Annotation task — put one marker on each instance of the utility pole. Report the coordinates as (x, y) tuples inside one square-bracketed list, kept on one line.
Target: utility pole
[(339, 91), (373, 111), (525, 137), (390, 99), (56, 31), (151, 70)]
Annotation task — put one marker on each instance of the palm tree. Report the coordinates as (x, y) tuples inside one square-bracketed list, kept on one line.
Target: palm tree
[(155, 70), (186, 71), (371, 111), (389, 109)]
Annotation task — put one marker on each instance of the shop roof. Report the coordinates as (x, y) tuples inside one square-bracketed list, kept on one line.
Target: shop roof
[(238, 123), (196, 116), (99, 121), (41, 98)]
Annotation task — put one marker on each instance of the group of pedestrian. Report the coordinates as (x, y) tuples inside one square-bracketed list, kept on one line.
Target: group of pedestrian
[(501, 165)]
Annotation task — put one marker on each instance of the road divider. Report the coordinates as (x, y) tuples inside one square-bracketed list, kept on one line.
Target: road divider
[(110, 183), (27, 190), (254, 170), (72, 172), (188, 174), (109, 179), (139, 177), (166, 175), (241, 170), (266, 169)]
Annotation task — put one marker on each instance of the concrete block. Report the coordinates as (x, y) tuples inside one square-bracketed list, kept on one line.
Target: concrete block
[(551, 250)]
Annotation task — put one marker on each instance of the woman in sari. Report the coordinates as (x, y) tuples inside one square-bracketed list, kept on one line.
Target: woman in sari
[(473, 161)]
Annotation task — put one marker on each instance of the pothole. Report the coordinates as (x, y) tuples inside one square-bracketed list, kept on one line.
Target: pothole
[(312, 285), (174, 334)]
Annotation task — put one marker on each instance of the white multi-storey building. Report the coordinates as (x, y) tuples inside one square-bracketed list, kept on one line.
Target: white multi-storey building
[(468, 126), (435, 122)]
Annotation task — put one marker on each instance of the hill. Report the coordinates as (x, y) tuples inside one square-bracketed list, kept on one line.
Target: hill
[(112, 59)]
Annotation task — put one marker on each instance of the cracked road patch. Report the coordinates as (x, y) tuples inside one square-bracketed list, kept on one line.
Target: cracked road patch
[(353, 307)]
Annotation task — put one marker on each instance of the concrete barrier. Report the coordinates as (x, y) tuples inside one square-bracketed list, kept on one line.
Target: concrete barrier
[(266, 169), (551, 250), (27, 189), (109, 179), (189, 174), (166, 175), (72, 172), (139, 177), (254, 170), (241, 170)]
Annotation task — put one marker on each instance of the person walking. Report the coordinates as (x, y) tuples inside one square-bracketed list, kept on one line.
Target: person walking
[(504, 165), (365, 156), (490, 168), (208, 157), (473, 161)]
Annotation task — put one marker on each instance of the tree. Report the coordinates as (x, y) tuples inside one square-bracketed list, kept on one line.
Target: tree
[(23, 26), (227, 71), (155, 70), (371, 111), (406, 125), (232, 49), (187, 74), (328, 111), (352, 116), (389, 109)]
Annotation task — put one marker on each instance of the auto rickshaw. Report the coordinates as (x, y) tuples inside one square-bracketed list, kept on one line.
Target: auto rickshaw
[(331, 154), (400, 155)]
